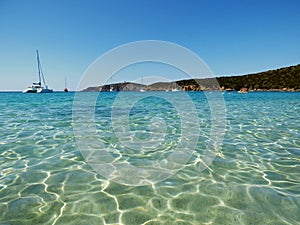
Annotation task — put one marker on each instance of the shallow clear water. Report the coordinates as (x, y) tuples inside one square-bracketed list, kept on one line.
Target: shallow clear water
[(254, 179)]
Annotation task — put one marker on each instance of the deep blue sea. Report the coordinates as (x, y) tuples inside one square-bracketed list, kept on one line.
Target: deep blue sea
[(150, 158)]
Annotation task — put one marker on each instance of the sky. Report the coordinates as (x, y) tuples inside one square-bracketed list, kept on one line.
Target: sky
[(232, 37)]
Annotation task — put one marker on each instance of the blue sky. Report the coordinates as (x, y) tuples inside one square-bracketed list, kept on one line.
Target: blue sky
[(232, 37)]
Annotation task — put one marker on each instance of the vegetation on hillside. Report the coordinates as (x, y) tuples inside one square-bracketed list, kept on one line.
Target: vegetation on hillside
[(281, 79), (286, 79)]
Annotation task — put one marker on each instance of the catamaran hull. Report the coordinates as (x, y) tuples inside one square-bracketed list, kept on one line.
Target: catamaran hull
[(44, 91), (29, 91)]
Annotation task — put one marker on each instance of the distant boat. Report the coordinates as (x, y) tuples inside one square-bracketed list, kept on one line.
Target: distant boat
[(111, 89), (142, 88), (66, 89), (174, 88), (37, 87)]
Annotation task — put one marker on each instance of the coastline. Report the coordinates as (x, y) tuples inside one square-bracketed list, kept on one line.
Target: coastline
[(285, 79)]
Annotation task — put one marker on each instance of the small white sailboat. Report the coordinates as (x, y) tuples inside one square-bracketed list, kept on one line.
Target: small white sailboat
[(111, 86), (111, 89), (142, 88), (37, 87), (174, 89)]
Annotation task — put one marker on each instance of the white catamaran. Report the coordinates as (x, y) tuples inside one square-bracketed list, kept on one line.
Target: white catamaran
[(37, 87)]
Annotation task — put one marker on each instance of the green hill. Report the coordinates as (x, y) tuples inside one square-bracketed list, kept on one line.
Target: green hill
[(287, 79), (283, 79)]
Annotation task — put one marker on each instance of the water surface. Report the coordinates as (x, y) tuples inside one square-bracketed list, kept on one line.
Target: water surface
[(254, 179)]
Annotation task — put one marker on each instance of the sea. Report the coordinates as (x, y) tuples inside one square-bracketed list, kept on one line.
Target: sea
[(150, 158)]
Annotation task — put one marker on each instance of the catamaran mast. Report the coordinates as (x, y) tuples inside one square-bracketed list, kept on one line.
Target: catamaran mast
[(41, 75), (38, 64)]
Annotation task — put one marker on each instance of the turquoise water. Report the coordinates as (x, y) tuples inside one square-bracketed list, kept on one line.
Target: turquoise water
[(254, 178)]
